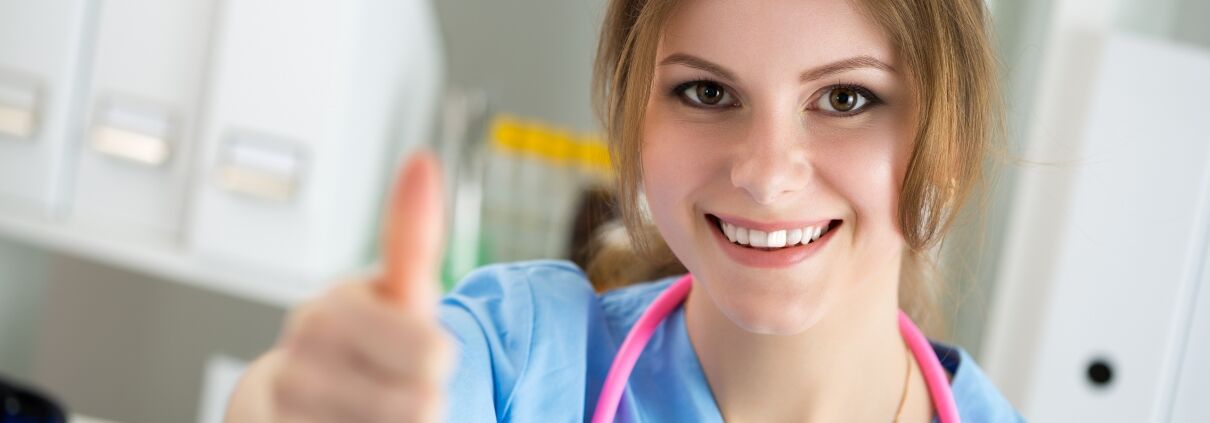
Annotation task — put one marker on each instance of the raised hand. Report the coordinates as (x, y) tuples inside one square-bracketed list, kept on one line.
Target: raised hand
[(369, 350)]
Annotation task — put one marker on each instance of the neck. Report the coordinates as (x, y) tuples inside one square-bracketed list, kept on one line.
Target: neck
[(849, 366)]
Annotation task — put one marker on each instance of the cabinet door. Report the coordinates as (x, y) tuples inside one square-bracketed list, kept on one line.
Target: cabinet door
[(1132, 240), (308, 100), (42, 44), (145, 91), (1193, 376)]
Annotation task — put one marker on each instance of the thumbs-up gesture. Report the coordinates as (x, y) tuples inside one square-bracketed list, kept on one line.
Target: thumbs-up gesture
[(370, 350)]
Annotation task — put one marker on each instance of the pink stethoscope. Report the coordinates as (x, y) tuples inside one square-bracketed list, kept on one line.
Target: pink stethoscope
[(632, 346)]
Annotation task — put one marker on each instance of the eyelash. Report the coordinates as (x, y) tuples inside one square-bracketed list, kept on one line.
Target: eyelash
[(872, 99)]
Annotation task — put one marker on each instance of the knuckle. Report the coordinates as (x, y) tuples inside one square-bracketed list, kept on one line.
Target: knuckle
[(319, 322), (306, 319), (351, 293), (325, 313)]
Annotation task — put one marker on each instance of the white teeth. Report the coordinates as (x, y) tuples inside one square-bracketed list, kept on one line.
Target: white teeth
[(777, 239), (793, 236), (759, 238), (773, 239)]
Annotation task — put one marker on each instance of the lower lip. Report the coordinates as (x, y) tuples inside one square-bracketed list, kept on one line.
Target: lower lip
[(781, 257)]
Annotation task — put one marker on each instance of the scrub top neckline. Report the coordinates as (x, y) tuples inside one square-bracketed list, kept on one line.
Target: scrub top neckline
[(667, 312)]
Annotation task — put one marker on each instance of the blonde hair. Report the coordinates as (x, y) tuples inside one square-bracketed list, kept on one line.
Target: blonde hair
[(947, 53)]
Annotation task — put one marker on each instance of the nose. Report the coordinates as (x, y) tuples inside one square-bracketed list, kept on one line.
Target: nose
[(772, 161)]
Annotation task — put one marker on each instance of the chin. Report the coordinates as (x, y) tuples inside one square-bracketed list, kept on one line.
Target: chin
[(771, 314)]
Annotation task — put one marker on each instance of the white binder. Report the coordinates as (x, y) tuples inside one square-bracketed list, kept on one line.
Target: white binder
[(42, 45), (308, 103), (146, 86)]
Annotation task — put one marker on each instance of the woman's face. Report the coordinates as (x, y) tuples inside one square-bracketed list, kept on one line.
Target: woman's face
[(767, 120)]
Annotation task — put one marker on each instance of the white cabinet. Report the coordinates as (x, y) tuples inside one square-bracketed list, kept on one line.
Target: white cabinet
[(42, 48), (146, 87), (241, 145), (307, 100), (1120, 234)]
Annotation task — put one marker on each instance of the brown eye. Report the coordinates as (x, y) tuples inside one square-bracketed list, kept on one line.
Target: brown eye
[(709, 94), (844, 100), (706, 94)]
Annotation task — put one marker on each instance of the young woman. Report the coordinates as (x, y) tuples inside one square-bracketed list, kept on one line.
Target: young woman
[(798, 157)]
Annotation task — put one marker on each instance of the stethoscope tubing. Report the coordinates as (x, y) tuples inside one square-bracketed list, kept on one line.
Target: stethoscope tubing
[(672, 297)]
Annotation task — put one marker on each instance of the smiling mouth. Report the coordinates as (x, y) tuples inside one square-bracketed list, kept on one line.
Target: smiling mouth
[(772, 240)]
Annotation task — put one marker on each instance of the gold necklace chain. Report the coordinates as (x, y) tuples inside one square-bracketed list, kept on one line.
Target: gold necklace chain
[(906, 379)]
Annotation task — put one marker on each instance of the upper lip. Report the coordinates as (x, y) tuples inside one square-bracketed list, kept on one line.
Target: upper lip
[(769, 226)]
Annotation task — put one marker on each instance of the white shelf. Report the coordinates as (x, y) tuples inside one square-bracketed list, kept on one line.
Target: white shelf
[(77, 418), (161, 259)]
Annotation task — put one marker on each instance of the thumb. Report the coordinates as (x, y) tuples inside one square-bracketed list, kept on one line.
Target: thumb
[(412, 238)]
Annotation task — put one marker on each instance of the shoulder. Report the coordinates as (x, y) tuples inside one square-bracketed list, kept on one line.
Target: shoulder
[(506, 292), (621, 307), (509, 302), (513, 305), (507, 280), (977, 398), (527, 326), (496, 315)]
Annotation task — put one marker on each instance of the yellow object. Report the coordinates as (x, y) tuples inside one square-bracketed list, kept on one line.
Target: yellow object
[(556, 146)]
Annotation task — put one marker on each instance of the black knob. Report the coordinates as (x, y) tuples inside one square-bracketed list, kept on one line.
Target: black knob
[(1100, 373)]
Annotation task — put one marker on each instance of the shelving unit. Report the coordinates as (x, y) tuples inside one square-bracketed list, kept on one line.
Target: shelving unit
[(239, 147), (166, 261)]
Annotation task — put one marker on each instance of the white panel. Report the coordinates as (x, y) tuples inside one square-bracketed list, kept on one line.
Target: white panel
[(146, 89), (222, 376), (331, 85), (1132, 240), (1193, 377), (1069, 35), (41, 47), (77, 418)]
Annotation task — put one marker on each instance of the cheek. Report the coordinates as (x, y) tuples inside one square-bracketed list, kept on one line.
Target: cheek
[(867, 168), (668, 173), (681, 164)]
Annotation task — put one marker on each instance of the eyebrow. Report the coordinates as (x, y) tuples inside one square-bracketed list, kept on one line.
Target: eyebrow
[(852, 63), (699, 63)]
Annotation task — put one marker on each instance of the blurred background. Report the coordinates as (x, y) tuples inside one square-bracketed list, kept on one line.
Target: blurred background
[(174, 175)]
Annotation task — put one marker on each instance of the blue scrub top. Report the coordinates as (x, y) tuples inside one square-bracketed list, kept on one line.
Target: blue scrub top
[(536, 341)]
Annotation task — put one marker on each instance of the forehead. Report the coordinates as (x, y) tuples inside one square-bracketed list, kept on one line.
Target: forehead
[(773, 37)]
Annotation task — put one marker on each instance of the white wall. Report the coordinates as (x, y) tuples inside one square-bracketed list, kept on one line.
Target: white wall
[(533, 57)]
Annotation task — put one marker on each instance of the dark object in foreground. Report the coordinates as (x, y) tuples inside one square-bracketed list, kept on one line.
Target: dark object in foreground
[(20, 404)]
